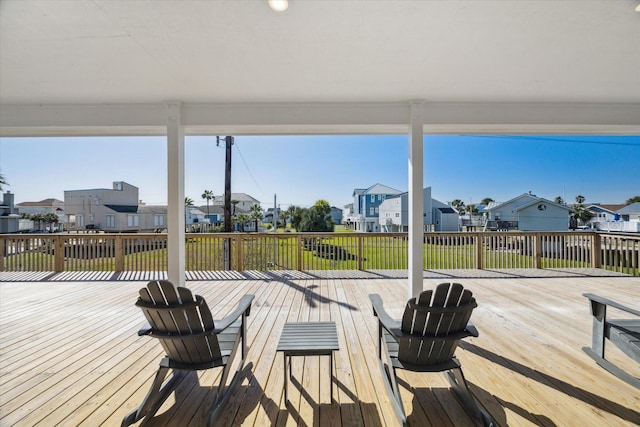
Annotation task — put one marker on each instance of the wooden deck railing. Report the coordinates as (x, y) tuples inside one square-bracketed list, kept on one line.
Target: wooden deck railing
[(320, 251)]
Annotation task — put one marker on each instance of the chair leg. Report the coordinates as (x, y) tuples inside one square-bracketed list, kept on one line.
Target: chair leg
[(223, 391), (391, 384), (613, 369), (461, 389), (157, 394)]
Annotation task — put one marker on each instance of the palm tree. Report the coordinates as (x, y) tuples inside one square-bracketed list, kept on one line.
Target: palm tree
[(188, 201), (256, 214), (234, 203), (242, 219), (207, 195), (3, 181), (580, 199), (559, 200), (486, 201), (458, 205)]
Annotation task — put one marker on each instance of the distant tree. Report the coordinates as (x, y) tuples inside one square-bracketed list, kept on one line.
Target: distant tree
[(188, 201), (486, 201), (207, 195), (317, 218), (472, 209), (633, 200), (559, 200), (234, 203), (458, 205), (256, 214), (242, 219), (3, 181), (284, 216), (50, 219), (580, 211), (296, 213)]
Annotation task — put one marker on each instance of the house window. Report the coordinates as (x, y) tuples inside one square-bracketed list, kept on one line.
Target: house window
[(158, 220), (80, 220), (91, 218), (111, 221), (373, 197), (371, 211), (376, 210), (397, 214), (133, 220)]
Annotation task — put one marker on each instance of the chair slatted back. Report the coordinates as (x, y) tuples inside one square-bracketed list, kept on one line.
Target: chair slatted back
[(430, 319), (180, 322)]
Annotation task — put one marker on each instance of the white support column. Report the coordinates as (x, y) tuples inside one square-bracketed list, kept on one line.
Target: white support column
[(175, 195), (416, 200)]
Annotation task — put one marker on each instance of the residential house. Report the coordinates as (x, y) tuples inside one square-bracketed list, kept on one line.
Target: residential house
[(45, 206), (437, 216), (336, 215), (245, 202), (366, 207), (528, 212), (113, 210), (9, 216), (603, 214), (625, 219)]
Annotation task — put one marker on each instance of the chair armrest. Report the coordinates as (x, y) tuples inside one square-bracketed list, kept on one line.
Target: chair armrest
[(387, 322), (244, 307), (145, 329), (605, 301), (471, 328)]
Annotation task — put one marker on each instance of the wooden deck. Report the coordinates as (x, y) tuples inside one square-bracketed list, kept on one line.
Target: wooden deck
[(70, 354)]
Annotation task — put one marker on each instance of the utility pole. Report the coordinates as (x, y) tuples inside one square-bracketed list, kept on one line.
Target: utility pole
[(227, 199)]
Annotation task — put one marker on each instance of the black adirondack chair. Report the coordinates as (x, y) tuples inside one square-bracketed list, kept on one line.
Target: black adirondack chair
[(425, 340), (191, 339)]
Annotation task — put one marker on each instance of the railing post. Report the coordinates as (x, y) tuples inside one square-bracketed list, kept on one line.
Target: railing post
[(537, 250), (596, 250), (299, 249), (360, 252), (59, 253), (3, 249), (478, 251), (237, 240), (119, 247)]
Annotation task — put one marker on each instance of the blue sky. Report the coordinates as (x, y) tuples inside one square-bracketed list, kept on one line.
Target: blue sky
[(303, 169)]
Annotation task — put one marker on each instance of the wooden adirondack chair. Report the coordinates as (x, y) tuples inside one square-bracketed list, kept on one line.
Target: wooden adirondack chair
[(623, 333), (191, 339), (425, 341)]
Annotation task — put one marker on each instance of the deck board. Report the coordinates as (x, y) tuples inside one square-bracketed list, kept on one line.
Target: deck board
[(70, 354)]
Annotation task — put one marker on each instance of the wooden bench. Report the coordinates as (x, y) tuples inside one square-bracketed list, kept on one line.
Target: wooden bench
[(623, 333)]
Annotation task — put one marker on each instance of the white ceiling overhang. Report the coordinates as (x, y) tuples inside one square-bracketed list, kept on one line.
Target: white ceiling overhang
[(322, 67)]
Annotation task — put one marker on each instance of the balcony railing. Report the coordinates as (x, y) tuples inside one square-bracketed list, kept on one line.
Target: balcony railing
[(320, 251)]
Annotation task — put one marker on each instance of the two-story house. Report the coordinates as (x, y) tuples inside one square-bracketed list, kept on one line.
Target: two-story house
[(528, 212), (437, 216), (113, 210), (245, 201), (366, 207)]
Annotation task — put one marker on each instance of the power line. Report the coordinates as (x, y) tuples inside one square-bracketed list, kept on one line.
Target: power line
[(248, 170), (539, 138)]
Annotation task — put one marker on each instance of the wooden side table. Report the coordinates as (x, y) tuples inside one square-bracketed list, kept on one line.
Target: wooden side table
[(308, 339)]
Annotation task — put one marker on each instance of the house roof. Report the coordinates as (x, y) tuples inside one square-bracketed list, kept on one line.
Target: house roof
[(123, 208), (446, 210), (381, 189), (108, 67), (632, 208), (42, 203), (152, 209), (533, 199)]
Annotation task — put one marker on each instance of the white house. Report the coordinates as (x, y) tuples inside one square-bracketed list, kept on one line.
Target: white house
[(366, 207), (45, 206), (626, 219), (245, 201), (394, 214), (528, 212)]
